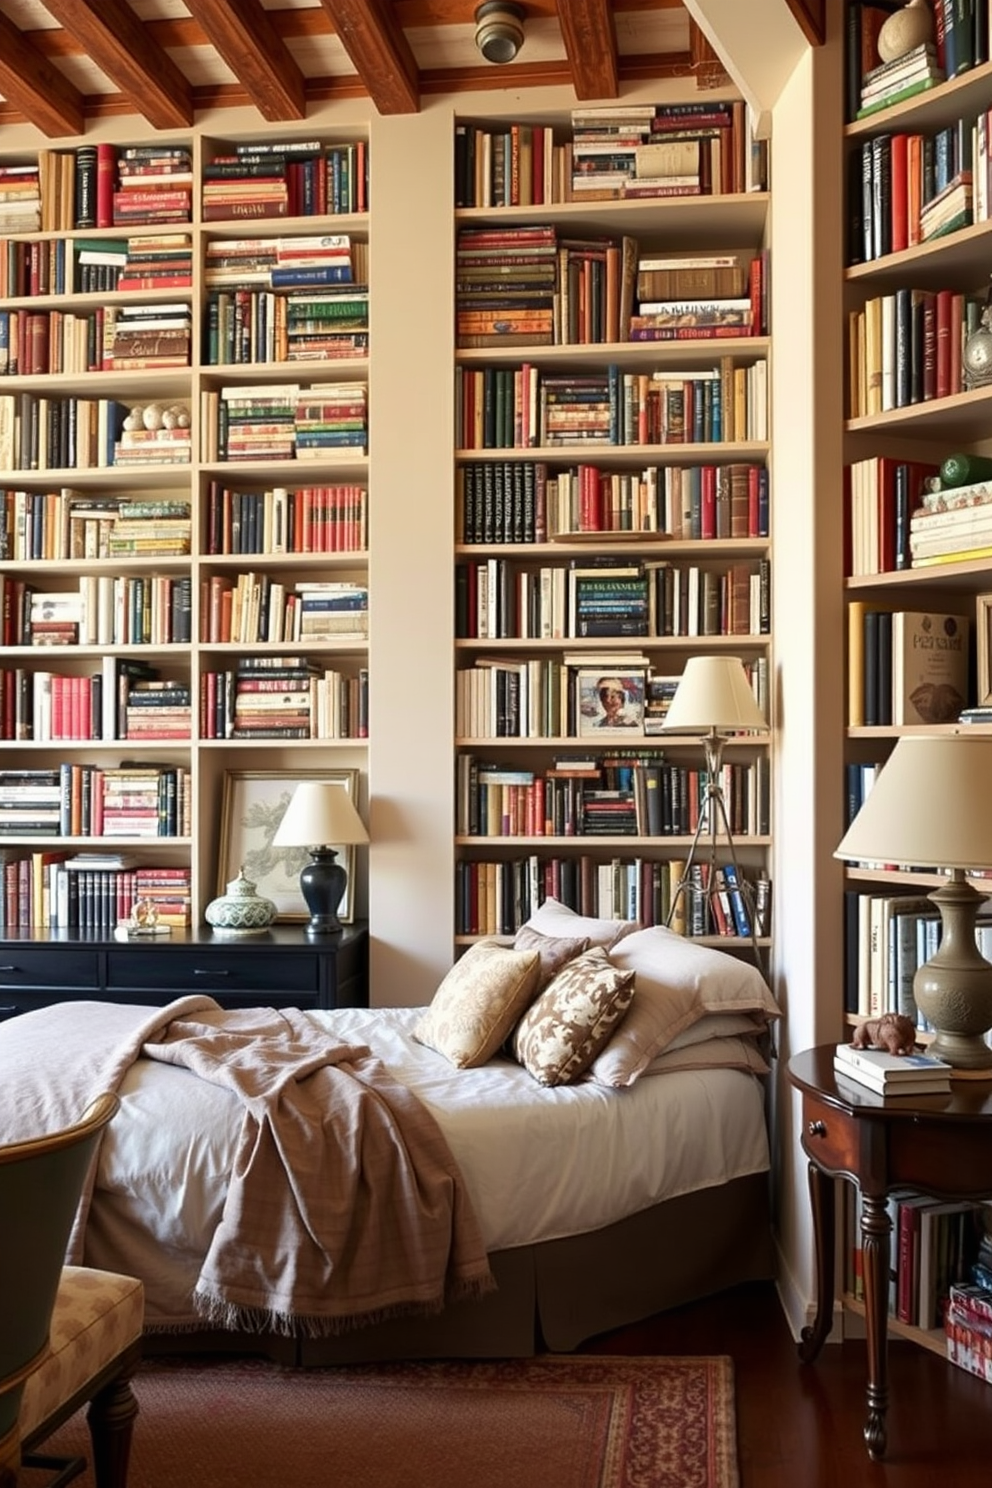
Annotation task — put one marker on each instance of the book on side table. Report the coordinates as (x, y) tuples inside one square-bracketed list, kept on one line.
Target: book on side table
[(893, 1074)]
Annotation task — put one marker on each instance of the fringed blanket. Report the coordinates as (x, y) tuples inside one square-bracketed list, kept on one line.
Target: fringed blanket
[(345, 1205)]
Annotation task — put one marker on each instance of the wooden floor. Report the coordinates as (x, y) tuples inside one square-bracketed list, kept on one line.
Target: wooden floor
[(799, 1426)]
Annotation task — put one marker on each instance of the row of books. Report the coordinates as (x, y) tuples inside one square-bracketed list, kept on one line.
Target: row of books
[(245, 326), (499, 599), (559, 697), (87, 893), (285, 178), (307, 519), (69, 433), (906, 666), (284, 421), (525, 501), (960, 41), (134, 799), (635, 794), (307, 261), (110, 338), (887, 937), (497, 897), (932, 1250), (905, 348), (113, 703), (908, 187), (258, 608), (299, 700), (881, 495), (527, 407), (526, 164), (73, 524)]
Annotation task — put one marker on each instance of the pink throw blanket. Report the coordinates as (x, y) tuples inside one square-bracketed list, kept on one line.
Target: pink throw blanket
[(345, 1204)]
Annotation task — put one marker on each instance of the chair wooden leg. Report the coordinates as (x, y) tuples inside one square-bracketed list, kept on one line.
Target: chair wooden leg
[(110, 1417)]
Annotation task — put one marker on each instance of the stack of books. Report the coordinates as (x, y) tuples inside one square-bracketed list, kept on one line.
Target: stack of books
[(893, 1074), (951, 523), (161, 262), (968, 1328), (155, 184), (903, 77)]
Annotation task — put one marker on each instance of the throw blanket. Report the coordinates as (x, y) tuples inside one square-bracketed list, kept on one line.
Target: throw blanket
[(345, 1204)]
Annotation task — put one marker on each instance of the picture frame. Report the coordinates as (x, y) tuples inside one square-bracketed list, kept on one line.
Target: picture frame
[(983, 650), (253, 803), (610, 703)]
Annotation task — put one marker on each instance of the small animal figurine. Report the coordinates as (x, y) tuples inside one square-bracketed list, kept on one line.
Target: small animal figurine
[(891, 1032)]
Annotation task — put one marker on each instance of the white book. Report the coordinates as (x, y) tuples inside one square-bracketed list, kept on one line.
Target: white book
[(891, 1069)]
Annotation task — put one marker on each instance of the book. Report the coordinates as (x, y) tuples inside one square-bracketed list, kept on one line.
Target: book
[(930, 655), (909, 1074)]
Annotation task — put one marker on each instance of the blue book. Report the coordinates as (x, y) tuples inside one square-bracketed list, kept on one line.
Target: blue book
[(319, 274)]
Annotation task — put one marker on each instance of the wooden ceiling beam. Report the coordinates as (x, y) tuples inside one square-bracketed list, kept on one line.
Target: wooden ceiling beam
[(113, 37), (590, 39), (32, 85), (379, 51), (242, 32)]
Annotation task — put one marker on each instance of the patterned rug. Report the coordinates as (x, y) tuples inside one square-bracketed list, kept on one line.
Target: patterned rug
[(575, 1421)]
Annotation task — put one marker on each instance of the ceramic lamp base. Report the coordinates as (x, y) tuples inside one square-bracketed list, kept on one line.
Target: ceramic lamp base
[(322, 884)]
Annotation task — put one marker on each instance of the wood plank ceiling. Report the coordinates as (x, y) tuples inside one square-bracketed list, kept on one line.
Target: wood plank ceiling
[(64, 62)]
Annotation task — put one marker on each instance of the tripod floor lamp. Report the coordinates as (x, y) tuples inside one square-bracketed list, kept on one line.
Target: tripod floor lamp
[(714, 700)]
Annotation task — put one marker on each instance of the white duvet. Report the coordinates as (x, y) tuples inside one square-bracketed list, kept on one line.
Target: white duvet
[(539, 1163)]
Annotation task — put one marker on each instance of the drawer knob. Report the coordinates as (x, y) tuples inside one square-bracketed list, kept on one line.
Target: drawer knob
[(211, 971), (818, 1129)]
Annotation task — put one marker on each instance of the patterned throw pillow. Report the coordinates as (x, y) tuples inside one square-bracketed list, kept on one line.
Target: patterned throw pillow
[(553, 950), (562, 1032), (474, 1009)]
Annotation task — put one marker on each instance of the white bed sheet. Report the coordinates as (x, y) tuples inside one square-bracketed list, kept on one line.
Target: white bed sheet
[(538, 1163)]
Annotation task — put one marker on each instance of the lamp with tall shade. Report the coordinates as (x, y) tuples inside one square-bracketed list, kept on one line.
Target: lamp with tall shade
[(714, 700), (319, 813), (931, 807)]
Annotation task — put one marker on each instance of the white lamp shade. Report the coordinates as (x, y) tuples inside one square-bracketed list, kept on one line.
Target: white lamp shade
[(930, 805), (714, 693), (320, 813)]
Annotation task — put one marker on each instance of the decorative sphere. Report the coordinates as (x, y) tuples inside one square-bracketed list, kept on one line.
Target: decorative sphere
[(133, 420), (905, 29), (169, 418), (152, 416), (182, 418)]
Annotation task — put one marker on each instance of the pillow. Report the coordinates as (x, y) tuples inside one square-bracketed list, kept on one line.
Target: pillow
[(556, 919), (719, 1025), (553, 951), (678, 983), (481, 998), (716, 1053), (564, 1029)]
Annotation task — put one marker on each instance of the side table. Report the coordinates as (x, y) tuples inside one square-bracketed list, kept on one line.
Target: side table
[(940, 1145)]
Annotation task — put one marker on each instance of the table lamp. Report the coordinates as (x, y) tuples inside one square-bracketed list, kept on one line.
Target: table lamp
[(319, 813), (714, 700), (931, 806)]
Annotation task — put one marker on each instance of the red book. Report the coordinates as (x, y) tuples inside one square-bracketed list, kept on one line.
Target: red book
[(942, 379), (106, 180), (899, 211), (707, 505)]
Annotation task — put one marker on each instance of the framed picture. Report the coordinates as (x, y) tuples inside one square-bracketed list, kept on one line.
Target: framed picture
[(253, 805), (983, 650), (610, 702)]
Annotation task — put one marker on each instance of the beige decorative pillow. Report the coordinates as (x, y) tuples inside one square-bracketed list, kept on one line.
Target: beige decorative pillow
[(553, 950), (479, 1001), (562, 1032), (554, 918), (678, 985)]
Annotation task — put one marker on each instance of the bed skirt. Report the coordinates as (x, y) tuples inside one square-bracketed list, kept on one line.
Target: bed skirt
[(555, 1295)]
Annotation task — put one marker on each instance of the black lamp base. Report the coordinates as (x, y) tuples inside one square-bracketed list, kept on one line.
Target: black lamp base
[(322, 884)]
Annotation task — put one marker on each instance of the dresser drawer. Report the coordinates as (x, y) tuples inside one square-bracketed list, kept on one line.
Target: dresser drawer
[(68, 968), (215, 970)]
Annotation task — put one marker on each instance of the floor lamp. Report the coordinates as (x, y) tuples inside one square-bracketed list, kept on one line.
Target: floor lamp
[(714, 699)]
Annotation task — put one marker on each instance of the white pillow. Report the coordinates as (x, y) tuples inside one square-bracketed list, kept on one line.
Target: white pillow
[(677, 983), (555, 918)]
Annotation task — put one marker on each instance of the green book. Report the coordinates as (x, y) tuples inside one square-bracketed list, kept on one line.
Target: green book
[(899, 96)]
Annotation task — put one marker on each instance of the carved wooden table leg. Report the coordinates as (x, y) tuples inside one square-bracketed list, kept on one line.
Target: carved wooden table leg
[(821, 1197), (111, 1420), (876, 1229)]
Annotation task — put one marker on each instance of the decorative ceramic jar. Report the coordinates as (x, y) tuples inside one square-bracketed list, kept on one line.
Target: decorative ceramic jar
[(241, 911), (905, 29)]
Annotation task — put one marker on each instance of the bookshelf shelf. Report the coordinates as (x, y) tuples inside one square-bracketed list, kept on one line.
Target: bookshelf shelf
[(685, 221)]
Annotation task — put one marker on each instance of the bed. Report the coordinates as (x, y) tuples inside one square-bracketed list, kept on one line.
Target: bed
[(600, 1199)]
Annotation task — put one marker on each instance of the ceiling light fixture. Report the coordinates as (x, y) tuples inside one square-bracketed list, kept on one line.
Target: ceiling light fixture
[(499, 30)]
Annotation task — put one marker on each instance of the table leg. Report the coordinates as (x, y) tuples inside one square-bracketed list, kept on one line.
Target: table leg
[(876, 1231), (821, 1198)]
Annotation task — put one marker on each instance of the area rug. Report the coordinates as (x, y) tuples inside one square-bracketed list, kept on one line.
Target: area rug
[(574, 1421)]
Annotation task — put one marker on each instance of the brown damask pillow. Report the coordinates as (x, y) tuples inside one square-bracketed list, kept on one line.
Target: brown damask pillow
[(564, 1029), (478, 1003)]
